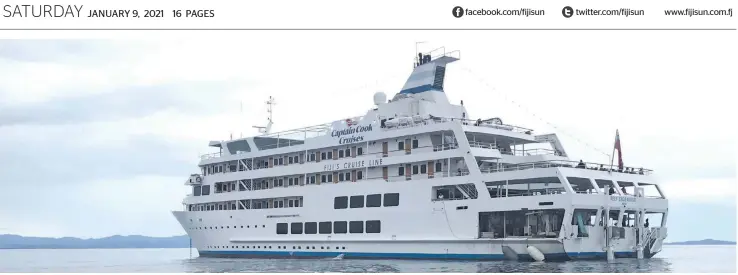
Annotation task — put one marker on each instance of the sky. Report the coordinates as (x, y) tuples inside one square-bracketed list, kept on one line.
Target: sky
[(98, 136)]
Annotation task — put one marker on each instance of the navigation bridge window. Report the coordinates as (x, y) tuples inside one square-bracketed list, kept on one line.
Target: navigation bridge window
[(526, 187)]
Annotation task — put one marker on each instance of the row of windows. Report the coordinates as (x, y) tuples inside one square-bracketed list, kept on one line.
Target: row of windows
[(203, 190), (373, 200), (401, 144), (307, 247), (248, 204), (419, 169), (337, 227)]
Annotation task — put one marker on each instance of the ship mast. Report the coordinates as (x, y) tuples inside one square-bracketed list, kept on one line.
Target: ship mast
[(270, 105)]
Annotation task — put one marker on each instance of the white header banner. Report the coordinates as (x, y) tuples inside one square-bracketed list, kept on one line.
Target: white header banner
[(371, 15)]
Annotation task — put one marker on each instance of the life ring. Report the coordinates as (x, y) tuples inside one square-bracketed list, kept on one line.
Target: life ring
[(198, 179), (349, 122)]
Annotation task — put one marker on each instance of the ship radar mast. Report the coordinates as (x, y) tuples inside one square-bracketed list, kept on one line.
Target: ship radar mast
[(266, 129)]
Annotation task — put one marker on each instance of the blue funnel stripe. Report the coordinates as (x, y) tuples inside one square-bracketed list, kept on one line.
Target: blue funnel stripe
[(419, 89)]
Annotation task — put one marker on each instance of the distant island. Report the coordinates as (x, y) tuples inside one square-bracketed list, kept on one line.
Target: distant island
[(117, 241), (702, 242), (136, 241)]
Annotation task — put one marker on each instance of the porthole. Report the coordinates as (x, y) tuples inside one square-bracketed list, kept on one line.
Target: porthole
[(336, 247), (228, 227), (248, 246), (270, 247), (242, 226), (247, 226), (293, 247), (242, 247), (321, 247), (299, 247), (344, 248)]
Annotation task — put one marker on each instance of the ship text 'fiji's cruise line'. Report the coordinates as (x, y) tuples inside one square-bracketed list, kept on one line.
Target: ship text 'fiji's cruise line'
[(415, 178)]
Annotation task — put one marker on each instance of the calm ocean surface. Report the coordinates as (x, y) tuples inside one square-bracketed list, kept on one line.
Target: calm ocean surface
[(671, 259)]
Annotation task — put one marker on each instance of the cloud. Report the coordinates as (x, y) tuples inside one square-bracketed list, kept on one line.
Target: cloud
[(202, 98)]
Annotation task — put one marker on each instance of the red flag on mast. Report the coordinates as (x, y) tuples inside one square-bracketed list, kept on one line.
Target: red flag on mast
[(620, 150)]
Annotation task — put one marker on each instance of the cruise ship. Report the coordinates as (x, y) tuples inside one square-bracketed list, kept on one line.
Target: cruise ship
[(417, 177)]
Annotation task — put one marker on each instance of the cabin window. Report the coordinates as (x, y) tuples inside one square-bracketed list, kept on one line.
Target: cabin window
[(415, 143), (423, 169), (323, 155), (359, 175), (196, 190), (356, 227), (282, 228), (275, 162), (312, 157), (340, 153), (281, 204), (374, 200), (289, 160), (296, 228), (205, 190), (291, 203), (400, 145), (322, 178), (330, 155), (281, 161), (325, 227), (291, 181), (340, 177), (280, 182), (359, 151), (357, 201), (339, 227), (311, 228), (401, 171), (340, 202), (330, 177), (312, 179), (415, 169), (374, 226), (347, 176), (391, 199)]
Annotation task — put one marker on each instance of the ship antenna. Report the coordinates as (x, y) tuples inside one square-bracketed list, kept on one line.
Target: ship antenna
[(270, 105)]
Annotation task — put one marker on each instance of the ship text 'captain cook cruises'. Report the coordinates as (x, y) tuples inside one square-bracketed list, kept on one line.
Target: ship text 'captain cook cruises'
[(349, 131), (415, 178)]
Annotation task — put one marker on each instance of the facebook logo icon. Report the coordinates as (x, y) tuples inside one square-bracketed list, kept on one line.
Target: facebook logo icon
[(458, 12)]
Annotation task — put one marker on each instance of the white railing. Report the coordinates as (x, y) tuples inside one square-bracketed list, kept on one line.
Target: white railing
[(483, 145), (532, 152), (568, 164)]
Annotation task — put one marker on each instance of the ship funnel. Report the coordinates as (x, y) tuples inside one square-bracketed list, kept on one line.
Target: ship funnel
[(429, 71)]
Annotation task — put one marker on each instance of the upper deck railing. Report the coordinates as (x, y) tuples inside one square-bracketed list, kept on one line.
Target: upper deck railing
[(417, 121), (569, 164)]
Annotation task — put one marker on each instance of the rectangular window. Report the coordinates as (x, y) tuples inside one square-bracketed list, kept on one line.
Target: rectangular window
[(374, 226), (312, 179), (322, 178), (391, 199), (289, 160), (330, 178), (296, 228), (340, 202), (340, 153), (356, 227), (340, 177), (359, 151), (357, 201), (325, 228), (347, 152), (281, 161), (401, 171), (439, 167), (415, 143), (205, 190), (312, 157), (339, 227), (415, 169), (322, 156), (282, 228), (400, 145), (374, 200), (311, 228), (359, 175), (291, 203), (423, 169), (330, 155), (196, 190), (290, 182)]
